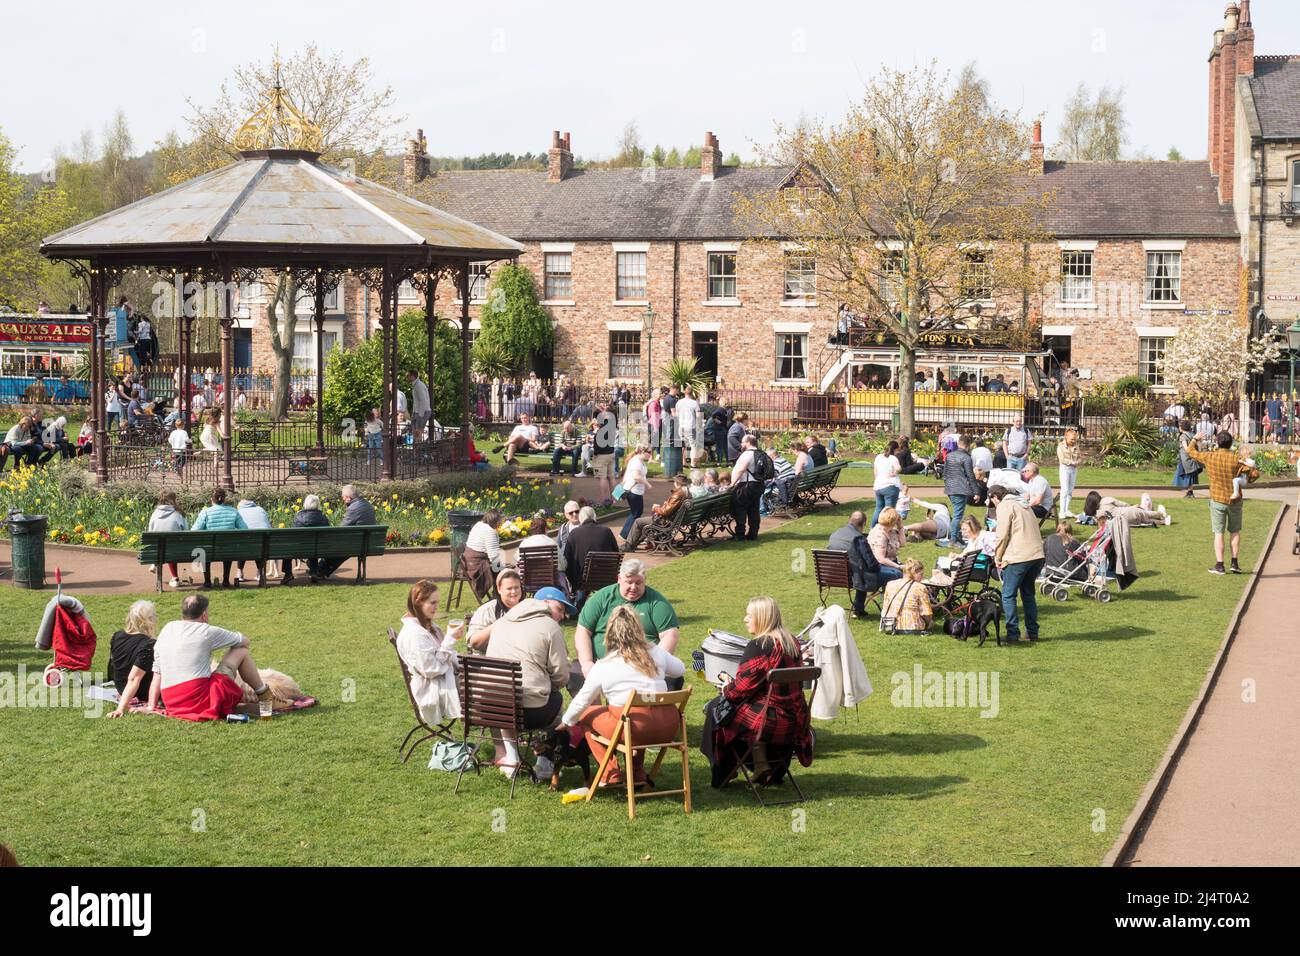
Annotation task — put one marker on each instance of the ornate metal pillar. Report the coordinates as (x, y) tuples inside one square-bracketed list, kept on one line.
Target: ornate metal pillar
[(318, 304), (431, 329), (226, 318), (98, 307), (464, 364), (388, 403)]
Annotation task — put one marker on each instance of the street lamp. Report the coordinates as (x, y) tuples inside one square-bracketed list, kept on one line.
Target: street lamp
[(1293, 342), (648, 324)]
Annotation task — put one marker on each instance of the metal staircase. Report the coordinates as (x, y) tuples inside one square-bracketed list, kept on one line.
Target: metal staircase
[(1049, 396)]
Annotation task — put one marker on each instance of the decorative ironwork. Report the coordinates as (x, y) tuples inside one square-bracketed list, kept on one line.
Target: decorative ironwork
[(277, 123)]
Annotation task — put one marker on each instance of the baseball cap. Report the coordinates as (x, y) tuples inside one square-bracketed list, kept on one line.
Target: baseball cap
[(554, 594)]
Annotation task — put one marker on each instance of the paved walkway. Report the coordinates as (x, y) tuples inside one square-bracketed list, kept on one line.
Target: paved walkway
[(1234, 797)]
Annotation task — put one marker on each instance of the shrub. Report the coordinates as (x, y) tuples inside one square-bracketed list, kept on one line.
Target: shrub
[(1133, 437), (1131, 386)]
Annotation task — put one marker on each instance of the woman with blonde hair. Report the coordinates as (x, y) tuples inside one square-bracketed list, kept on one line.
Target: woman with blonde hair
[(885, 539), (906, 606), (774, 718), (1069, 456), (131, 656), (430, 657), (631, 663)]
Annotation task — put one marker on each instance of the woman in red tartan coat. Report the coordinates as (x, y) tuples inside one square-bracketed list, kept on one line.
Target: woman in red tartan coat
[(786, 728)]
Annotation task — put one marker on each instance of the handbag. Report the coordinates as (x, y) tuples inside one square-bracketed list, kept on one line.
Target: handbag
[(723, 710), (618, 492), (889, 622), (451, 756)]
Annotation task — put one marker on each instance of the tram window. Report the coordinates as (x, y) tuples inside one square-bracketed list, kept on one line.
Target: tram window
[(14, 363)]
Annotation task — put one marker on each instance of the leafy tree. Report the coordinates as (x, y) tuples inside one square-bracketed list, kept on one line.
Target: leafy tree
[(28, 213), (630, 150), (1094, 130), (691, 158), (673, 159), (890, 202), (513, 319), (733, 159), (1211, 355), (1175, 155), (658, 157), (975, 85), (353, 378)]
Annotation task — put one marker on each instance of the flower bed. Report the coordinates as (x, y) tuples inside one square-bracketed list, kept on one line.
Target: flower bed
[(415, 513)]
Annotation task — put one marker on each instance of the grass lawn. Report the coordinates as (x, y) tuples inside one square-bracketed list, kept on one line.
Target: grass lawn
[(1083, 719)]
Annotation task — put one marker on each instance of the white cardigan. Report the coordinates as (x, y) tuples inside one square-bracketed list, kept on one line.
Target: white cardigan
[(617, 679), (431, 659)]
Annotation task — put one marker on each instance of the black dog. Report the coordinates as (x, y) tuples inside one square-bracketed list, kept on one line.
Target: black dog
[(986, 610), (558, 748)]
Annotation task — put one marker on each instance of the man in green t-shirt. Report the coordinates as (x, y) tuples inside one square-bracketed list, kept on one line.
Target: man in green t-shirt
[(656, 614)]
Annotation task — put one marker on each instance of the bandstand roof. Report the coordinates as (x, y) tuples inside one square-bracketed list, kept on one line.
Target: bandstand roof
[(277, 204)]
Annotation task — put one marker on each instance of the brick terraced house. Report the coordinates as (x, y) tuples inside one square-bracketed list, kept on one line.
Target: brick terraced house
[(1137, 246)]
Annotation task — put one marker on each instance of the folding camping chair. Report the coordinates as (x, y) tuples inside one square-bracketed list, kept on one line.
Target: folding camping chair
[(778, 678), (442, 731), (622, 742)]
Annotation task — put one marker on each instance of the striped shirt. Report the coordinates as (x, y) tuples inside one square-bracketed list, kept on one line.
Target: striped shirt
[(783, 468)]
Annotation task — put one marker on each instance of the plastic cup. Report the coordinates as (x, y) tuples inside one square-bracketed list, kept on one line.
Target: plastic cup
[(264, 709)]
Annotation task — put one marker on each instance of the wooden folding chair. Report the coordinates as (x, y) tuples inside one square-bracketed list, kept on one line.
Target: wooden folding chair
[(778, 678), (442, 731), (600, 570), (537, 568), (492, 698), (622, 742)]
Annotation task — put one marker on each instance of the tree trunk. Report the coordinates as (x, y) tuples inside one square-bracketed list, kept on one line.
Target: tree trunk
[(906, 388), (286, 294)]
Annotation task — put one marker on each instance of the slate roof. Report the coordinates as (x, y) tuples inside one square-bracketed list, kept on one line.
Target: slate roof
[(279, 199), (1138, 199), (1275, 88)]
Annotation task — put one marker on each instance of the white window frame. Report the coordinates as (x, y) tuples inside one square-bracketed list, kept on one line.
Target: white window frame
[(1084, 284), (1293, 165), (622, 256), (333, 336), (718, 259), (893, 279), (547, 256), (1170, 257), (969, 258), (783, 339), (802, 295), (1149, 360)]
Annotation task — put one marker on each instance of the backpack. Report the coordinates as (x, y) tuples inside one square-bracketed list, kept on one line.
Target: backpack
[(761, 467)]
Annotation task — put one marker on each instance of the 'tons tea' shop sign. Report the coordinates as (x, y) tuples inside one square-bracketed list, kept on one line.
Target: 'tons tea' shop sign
[(31, 332)]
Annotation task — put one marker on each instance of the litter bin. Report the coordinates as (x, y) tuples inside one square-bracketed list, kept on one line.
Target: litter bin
[(27, 546), (896, 421), (460, 521), (672, 459)]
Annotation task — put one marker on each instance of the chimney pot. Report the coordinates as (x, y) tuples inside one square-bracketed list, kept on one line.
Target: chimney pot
[(559, 159), (710, 158), (1038, 131)]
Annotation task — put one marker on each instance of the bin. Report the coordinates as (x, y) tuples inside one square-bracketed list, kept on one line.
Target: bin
[(722, 652), (27, 546), (459, 522), (672, 460)]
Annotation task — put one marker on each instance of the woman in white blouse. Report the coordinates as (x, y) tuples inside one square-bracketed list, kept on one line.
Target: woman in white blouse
[(885, 480), (636, 482), (210, 438), (429, 655), (631, 663)]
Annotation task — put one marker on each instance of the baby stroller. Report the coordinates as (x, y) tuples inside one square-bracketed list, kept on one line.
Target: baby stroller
[(1085, 568)]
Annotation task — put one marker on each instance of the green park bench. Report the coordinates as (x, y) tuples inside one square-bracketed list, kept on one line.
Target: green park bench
[(261, 545), (813, 486), (692, 524)]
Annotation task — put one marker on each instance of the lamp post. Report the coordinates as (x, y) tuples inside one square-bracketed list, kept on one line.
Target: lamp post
[(1293, 343), (648, 324)]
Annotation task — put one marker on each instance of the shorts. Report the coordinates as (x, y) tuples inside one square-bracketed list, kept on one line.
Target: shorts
[(1225, 517), (603, 465)]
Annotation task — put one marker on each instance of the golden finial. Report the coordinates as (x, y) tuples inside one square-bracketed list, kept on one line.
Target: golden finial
[(278, 124)]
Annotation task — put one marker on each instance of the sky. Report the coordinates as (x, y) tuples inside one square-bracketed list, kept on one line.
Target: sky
[(499, 76)]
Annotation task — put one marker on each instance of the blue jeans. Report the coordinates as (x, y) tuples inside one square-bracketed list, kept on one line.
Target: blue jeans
[(1017, 464), (1021, 577), (636, 504), (885, 575), (885, 498), (958, 510)]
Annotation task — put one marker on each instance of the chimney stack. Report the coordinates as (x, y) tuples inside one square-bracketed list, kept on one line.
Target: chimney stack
[(560, 158), (1036, 148), (1233, 55), (710, 158), (415, 164)]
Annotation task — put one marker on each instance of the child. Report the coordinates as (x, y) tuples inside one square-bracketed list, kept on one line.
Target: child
[(179, 440), (373, 432), (904, 504), (1239, 483)]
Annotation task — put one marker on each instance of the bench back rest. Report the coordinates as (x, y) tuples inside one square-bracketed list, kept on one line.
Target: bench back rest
[(262, 544), (832, 568), (491, 693)]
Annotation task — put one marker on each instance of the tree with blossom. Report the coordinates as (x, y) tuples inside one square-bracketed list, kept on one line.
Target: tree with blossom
[(1212, 354)]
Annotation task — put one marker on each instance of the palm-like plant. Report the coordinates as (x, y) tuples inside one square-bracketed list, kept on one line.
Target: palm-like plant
[(1133, 436), (491, 360), (684, 374)]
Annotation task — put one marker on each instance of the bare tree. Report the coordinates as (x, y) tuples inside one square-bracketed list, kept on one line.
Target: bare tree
[(1094, 129), (914, 207)]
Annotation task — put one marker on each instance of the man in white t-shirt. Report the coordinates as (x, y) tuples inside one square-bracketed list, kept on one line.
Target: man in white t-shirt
[(421, 409), (182, 665), (1038, 492), (525, 437), (981, 458), (179, 440)]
